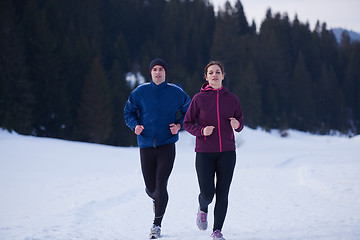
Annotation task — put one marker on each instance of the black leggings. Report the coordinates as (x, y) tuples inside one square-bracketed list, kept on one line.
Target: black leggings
[(208, 165), (157, 164)]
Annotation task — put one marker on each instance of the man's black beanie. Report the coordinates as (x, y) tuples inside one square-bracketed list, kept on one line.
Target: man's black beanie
[(158, 61)]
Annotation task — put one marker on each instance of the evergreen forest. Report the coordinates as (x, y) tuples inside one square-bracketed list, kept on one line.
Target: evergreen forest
[(63, 65)]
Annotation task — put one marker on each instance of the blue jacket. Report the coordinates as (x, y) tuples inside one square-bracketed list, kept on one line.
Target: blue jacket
[(156, 107)]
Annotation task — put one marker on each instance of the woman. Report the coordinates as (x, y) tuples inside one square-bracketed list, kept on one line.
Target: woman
[(151, 112), (211, 117)]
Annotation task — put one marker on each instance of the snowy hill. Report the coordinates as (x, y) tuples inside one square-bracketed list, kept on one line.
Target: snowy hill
[(299, 187), (354, 36)]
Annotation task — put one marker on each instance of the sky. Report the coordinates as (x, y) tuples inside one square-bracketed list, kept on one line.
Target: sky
[(344, 14)]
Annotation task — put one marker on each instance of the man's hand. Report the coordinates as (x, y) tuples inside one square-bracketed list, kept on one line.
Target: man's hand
[(174, 128), (139, 129)]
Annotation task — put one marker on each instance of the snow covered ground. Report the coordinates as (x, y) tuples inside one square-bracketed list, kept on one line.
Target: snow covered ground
[(302, 187)]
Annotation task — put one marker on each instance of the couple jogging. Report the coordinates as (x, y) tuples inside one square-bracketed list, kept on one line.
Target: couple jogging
[(152, 113)]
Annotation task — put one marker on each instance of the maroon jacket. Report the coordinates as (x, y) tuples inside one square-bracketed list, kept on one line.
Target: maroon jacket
[(213, 107)]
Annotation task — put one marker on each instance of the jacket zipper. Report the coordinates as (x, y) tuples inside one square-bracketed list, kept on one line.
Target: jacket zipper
[(218, 117)]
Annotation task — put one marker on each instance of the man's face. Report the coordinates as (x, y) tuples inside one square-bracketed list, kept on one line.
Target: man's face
[(158, 74)]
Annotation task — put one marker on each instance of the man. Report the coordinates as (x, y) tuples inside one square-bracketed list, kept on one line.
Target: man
[(151, 112)]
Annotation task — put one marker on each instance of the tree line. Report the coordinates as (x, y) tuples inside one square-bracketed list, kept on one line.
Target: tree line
[(63, 65)]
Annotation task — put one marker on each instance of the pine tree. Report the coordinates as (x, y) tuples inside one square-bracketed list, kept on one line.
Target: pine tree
[(330, 102), (16, 97), (270, 109), (303, 106), (94, 114), (230, 40), (120, 135), (249, 92), (50, 112), (243, 27), (328, 46), (276, 64), (351, 85)]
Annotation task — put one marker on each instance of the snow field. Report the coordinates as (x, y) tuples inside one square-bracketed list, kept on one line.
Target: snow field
[(299, 187)]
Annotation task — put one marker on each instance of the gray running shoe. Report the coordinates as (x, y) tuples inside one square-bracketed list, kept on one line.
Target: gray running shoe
[(217, 235), (201, 220), (155, 232)]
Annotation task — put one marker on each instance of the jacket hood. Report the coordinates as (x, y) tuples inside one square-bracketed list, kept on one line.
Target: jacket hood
[(206, 87)]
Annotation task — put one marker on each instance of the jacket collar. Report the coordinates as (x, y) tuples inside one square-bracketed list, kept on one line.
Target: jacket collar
[(160, 86), (206, 87)]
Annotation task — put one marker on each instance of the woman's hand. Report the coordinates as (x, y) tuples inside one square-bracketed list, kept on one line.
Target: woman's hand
[(208, 130), (234, 123)]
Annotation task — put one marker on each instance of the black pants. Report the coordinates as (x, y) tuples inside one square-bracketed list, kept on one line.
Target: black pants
[(222, 165), (157, 164)]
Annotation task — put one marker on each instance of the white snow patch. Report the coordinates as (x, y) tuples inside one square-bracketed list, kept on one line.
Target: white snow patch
[(299, 187), (134, 79)]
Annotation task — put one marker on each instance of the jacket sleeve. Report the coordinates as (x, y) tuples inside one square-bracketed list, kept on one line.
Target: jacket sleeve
[(190, 120), (183, 109), (131, 112)]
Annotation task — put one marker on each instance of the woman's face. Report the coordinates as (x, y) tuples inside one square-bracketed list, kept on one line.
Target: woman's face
[(214, 76), (158, 74)]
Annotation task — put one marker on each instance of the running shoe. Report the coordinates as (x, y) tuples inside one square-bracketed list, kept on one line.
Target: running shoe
[(201, 220), (155, 232), (217, 235)]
